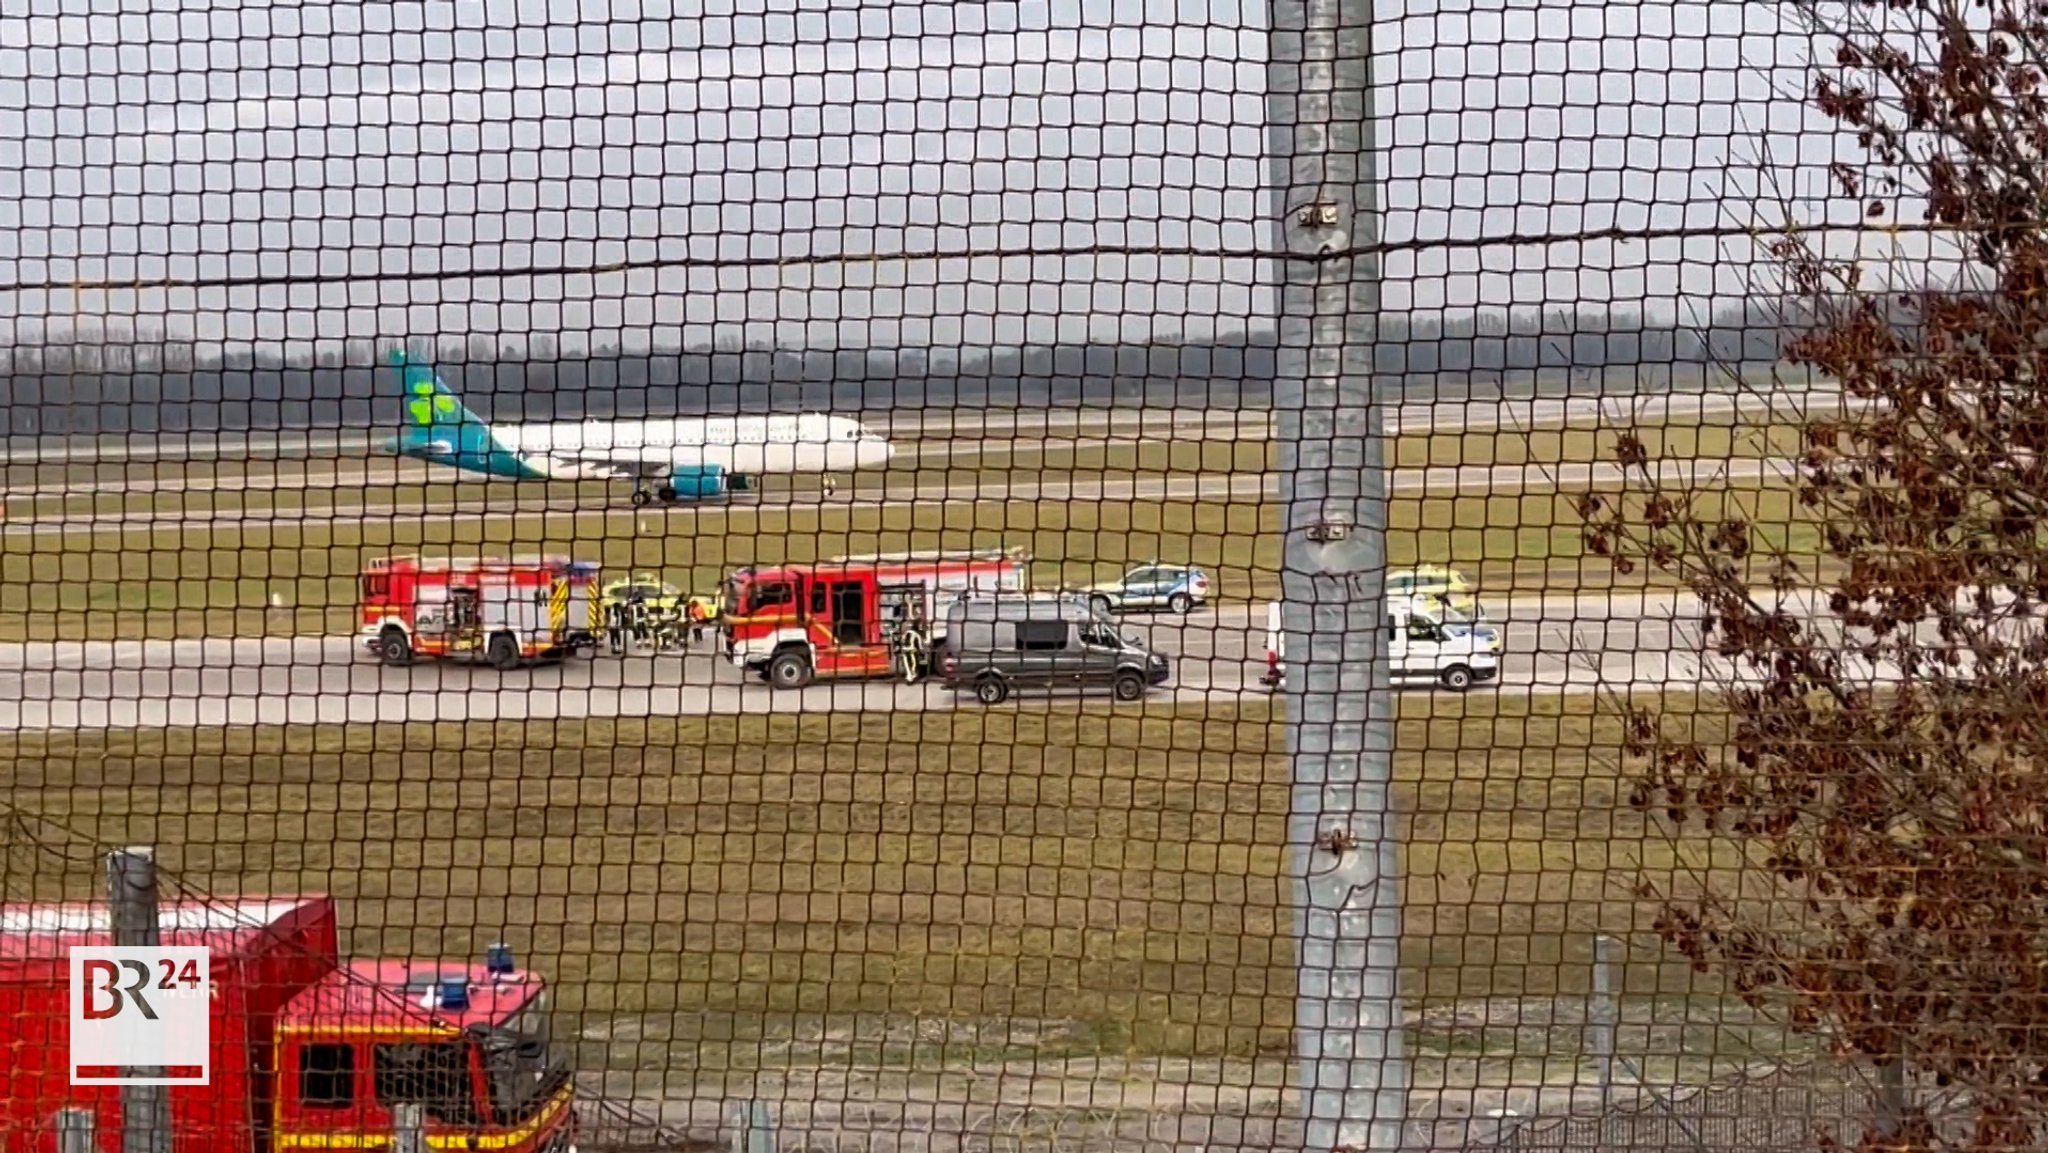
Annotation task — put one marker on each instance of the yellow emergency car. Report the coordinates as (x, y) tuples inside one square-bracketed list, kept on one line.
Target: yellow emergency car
[(1450, 588), (657, 595), (1442, 582)]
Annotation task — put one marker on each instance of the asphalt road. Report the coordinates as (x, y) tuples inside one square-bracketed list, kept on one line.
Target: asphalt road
[(1552, 646)]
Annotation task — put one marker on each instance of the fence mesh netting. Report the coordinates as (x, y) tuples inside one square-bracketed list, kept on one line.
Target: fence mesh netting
[(666, 574)]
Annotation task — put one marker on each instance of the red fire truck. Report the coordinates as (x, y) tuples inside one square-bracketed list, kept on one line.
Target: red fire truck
[(507, 612), (854, 616), (307, 1050)]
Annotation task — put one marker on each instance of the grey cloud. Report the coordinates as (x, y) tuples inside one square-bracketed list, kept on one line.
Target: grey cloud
[(294, 139)]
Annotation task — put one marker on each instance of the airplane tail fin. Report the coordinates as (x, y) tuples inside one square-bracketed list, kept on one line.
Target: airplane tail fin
[(429, 402)]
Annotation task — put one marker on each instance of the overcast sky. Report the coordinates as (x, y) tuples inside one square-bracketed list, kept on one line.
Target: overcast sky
[(160, 138)]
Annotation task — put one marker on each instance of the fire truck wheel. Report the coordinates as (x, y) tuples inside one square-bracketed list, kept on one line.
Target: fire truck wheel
[(503, 652), (789, 670), (395, 648), (991, 690), (1128, 686)]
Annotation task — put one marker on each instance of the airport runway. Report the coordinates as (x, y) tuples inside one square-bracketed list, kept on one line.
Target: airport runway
[(1439, 416), (1239, 487), (935, 457), (966, 441), (1553, 645)]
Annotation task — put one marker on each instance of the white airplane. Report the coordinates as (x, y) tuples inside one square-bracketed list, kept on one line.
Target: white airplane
[(686, 458)]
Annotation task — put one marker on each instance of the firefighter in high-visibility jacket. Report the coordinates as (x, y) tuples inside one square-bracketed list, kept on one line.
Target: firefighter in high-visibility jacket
[(701, 612)]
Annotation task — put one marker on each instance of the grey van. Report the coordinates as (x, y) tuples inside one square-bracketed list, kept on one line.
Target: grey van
[(998, 643)]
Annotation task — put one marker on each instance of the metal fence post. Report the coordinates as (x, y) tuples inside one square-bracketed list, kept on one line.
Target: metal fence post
[(753, 1130), (408, 1128), (1604, 1015), (1330, 422), (132, 909), (74, 1131)]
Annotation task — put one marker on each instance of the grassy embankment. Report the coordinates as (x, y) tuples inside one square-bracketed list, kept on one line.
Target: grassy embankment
[(1093, 883)]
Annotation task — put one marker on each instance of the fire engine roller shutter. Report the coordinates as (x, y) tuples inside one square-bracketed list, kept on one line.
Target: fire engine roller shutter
[(558, 609)]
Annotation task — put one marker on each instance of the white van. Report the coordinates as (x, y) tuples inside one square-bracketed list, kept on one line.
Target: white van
[(1421, 645)]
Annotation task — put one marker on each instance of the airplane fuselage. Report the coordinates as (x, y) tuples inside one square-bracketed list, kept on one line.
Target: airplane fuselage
[(746, 445), (646, 450)]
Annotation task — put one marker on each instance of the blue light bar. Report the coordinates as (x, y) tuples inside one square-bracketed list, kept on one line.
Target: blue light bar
[(454, 993), (498, 959)]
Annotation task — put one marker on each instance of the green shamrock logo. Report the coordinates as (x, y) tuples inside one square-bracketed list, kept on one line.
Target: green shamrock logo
[(425, 404)]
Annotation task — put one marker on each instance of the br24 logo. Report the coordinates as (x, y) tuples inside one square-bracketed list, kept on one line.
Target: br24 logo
[(103, 979)]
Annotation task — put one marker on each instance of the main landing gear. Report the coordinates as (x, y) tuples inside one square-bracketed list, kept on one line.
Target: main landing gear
[(667, 493)]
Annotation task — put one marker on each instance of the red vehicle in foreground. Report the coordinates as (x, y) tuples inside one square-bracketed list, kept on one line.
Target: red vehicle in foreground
[(309, 1051), (854, 616), (507, 612)]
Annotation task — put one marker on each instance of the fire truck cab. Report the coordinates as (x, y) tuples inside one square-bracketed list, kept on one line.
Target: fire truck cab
[(306, 1050), (506, 612), (872, 615)]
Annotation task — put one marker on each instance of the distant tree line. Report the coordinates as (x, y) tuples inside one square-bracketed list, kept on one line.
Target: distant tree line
[(100, 385)]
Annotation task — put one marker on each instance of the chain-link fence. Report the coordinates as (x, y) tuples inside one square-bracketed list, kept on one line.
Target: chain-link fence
[(1010, 575)]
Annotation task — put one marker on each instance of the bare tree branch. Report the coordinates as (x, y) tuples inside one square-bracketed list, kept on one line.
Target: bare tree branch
[(1885, 770)]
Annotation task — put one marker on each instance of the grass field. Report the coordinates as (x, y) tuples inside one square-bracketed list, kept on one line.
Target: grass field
[(149, 581), (1719, 437), (1098, 883)]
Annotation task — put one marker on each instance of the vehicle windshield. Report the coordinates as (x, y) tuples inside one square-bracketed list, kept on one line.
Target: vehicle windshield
[(1458, 616), (764, 595), (434, 1075), (522, 1064), (1102, 636)]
